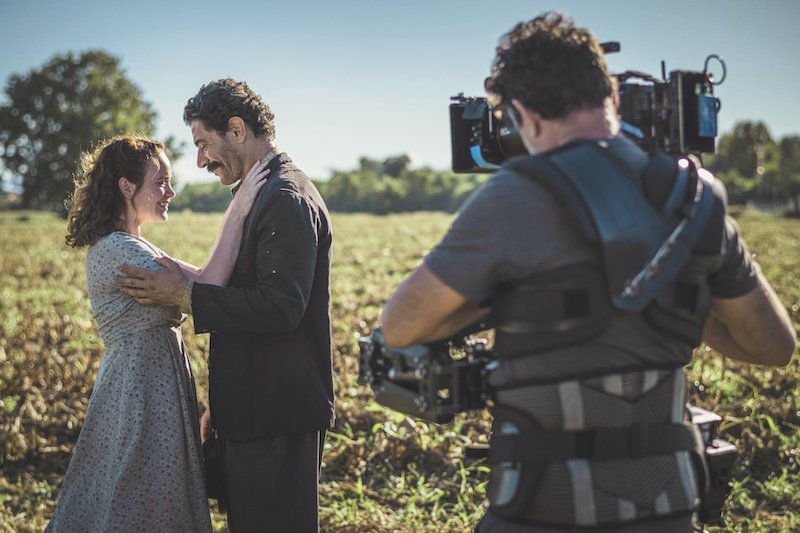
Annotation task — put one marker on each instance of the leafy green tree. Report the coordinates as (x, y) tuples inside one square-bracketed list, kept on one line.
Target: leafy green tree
[(746, 160), (370, 165), (789, 170), (61, 110), (743, 149), (391, 166), (739, 188), (395, 166)]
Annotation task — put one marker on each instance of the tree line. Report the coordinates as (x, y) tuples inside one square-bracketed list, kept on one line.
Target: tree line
[(391, 186), (380, 187), (58, 112), (754, 166)]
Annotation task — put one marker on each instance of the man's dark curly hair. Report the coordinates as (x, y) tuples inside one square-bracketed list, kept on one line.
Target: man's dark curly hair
[(551, 67), (219, 101)]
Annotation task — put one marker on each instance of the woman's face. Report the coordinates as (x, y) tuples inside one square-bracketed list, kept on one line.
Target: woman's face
[(151, 201)]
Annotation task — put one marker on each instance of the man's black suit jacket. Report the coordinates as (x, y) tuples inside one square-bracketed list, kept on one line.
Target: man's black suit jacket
[(270, 357)]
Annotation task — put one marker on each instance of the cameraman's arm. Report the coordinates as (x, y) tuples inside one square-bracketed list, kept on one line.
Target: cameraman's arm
[(754, 328), (425, 309), (747, 321), (441, 296)]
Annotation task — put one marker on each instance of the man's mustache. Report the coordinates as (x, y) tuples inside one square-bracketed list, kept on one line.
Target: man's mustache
[(211, 167)]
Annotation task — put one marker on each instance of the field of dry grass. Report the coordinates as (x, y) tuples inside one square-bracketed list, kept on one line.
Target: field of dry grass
[(383, 471)]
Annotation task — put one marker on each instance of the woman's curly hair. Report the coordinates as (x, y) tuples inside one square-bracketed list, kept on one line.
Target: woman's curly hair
[(97, 207), (551, 67)]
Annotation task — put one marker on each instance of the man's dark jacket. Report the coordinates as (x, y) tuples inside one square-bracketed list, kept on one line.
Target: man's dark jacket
[(270, 357)]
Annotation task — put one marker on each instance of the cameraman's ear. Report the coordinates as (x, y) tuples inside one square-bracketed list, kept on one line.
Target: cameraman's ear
[(513, 115), (528, 120), (127, 188)]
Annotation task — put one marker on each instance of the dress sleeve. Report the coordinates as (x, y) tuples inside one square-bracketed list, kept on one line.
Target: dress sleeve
[(119, 249), (103, 261)]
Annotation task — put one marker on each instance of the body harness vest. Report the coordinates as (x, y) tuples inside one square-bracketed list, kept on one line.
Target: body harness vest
[(656, 233)]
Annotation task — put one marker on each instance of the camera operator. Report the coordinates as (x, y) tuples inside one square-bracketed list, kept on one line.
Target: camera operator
[(571, 365)]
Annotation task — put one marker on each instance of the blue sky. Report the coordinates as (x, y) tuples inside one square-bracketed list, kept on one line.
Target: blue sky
[(347, 79)]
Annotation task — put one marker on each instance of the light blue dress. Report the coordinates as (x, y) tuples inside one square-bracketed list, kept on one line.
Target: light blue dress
[(138, 463)]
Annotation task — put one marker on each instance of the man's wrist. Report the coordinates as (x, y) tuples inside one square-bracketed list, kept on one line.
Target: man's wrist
[(186, 300)]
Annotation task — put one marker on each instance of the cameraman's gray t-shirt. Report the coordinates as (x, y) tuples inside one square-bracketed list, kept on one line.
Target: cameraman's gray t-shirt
[(513, 228)]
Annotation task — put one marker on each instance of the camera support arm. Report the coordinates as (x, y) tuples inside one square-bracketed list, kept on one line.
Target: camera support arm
[(425, 381)]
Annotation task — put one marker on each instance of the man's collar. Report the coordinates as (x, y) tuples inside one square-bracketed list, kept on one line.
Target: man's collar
[(269, 156), (272, 154)]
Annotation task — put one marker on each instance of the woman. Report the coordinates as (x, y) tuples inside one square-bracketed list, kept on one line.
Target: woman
[(137, 465)]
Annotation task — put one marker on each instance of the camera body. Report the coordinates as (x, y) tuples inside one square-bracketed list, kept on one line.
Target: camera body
[(425, 380), (480, 141), (676, 114)]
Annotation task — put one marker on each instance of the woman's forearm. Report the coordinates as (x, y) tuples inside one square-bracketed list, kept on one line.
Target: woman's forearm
[(218, 267), (220, 262)]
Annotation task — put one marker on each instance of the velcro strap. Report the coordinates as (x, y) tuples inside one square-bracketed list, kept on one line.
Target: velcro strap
[(633, 442), (556, 300)]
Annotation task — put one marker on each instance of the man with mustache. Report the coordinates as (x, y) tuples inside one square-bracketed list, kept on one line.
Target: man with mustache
[(270, 378)]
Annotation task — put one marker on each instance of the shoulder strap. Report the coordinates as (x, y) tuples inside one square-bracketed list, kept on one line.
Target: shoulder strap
[(549, 177), (642, 251)]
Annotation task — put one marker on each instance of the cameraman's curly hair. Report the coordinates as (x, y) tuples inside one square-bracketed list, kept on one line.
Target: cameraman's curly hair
[(551, 67), (219, 101), (97, 207)]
